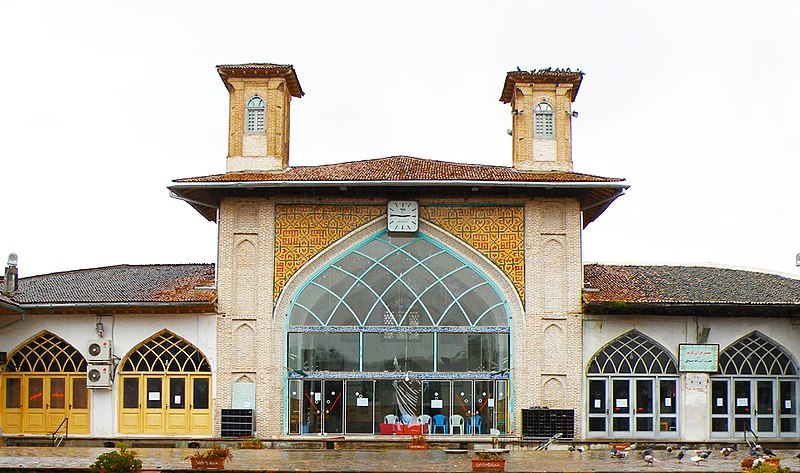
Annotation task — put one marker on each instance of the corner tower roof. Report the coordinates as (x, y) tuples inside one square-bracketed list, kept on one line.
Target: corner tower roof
[(541, 76), (286, 71)]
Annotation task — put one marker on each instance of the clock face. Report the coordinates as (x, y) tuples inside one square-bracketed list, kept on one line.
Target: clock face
[(402, 216)]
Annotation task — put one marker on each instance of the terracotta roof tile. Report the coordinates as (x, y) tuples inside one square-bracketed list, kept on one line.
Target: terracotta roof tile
[(402, 168), (120, 284), (645, 284)]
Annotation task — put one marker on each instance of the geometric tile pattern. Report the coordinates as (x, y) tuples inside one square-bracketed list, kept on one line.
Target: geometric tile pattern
[(497, 232), (302, 231)]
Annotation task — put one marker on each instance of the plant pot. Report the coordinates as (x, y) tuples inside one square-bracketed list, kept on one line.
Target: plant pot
[(480, 464), (417, 447), (774, 461), (207, 463)]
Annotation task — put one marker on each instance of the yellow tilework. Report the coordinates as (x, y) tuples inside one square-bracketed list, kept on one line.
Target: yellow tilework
[(497, 232)]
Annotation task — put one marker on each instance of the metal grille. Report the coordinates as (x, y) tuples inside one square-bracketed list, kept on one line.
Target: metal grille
[(166, 352), (543, 120), (46, 353), (632, 353), (755, 355), (256, 109), (408, 281)]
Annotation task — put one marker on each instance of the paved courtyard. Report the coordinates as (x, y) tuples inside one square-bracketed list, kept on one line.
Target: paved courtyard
[(393, 460)]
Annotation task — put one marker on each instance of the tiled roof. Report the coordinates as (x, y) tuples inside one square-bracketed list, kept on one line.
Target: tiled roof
[(541, 76), (402, 168), (158, 283), (285, 71), (645, 284)]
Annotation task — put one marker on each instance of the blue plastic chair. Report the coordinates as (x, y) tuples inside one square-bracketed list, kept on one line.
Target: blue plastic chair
[(474, 421), (439, 421)]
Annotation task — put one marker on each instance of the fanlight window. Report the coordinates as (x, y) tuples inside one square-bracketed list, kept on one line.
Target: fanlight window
[(166, 352), (47, 353), (399, 281), (632, 353), (256, 111), (543, 120), (755, 355)]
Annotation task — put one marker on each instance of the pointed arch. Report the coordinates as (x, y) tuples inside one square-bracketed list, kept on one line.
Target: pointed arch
[(632, 353), (46, 353), (756, 354), (165, 352)]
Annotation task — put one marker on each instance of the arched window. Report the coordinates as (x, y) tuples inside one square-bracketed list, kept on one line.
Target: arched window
[(46, 353), (755, 355), (632, 353), (543, 120), (256, 112), (632, 389)]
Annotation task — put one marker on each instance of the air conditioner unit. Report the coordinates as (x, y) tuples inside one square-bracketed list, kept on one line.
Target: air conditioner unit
[(98, 375), (99, 350)]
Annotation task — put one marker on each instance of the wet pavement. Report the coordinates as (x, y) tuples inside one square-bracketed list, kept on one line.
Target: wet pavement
[(372, 461)]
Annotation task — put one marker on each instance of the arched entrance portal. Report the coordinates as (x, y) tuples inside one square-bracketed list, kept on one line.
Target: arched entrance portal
[(165, 388), (44, 382), (398, 330), (632, 389), (755, 390)]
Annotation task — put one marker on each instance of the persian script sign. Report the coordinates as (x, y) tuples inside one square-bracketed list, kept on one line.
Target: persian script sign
[(698, 358)]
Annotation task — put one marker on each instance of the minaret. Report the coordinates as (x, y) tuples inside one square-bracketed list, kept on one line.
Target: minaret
[(260, 95), (541, 114)]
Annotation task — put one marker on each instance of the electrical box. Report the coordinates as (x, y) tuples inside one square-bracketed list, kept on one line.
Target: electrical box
[(99, 350), (98, 375)]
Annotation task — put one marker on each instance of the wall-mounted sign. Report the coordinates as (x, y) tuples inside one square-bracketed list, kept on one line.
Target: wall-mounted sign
[(698, 358)]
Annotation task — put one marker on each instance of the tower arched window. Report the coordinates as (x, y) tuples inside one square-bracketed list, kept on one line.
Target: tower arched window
[(256, 113), (543, 125)]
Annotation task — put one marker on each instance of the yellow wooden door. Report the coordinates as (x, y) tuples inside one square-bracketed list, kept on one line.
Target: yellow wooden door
[(154, 414), (130, 414), (78, 400), (200, 405), (34, 419), (177, 414), (11, 414), (56, 404)]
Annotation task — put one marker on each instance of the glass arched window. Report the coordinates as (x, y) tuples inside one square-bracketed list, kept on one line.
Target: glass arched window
[(633, 388), (47, 353), (756, 389), (543, 126), (256, 113), (399, 304), (166, 352)]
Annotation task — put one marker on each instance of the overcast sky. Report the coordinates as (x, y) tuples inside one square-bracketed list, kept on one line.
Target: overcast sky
[(102, 104)]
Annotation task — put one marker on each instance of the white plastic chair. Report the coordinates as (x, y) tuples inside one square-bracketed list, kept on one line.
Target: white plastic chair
[(425, 419), (390, 419), (456, 422)]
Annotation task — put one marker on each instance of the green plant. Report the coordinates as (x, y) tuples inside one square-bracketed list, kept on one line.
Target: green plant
[(122, 461), (487, 455), (212, 453), (253, 443), (767, 468)]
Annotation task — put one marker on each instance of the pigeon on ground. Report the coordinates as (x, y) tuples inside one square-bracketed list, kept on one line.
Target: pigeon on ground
[(581, 449), (630, 447), (725, 451), (680, 455), (669, 448), (768, 452), (647, 456)]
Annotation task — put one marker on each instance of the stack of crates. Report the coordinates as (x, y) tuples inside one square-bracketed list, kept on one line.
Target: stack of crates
[(543, 422)]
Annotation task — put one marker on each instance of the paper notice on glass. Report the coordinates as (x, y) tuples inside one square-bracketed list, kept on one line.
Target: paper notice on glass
[(597, 403), (667, 402), (154, 396), (177, 399), (787, 404), (317, 397), (741, 402), (490, 402), (719, 402), (436, 403), (621, 403), (362, 401)]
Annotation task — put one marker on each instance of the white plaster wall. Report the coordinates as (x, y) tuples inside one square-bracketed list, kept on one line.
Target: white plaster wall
[(126, 331), (694, 401)]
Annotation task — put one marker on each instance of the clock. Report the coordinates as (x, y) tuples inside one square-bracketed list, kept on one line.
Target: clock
[(402, 216)]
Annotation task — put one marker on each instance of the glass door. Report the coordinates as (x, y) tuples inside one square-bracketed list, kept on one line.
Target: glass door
[(742, 414), (436, 403), (621, 415), (34, 419), (667, 407), (154, 405), (323, 407), (359, 407), (787, 407), (765, 407), (176, 415), (483, 416), (598, 410), (644, 418)]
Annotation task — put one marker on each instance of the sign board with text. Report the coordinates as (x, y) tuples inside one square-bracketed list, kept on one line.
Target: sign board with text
[(698, 358)]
